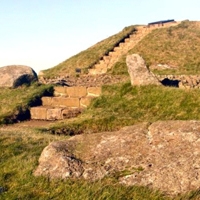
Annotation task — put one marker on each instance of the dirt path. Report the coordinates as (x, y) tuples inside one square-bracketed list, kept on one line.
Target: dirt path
[(28, 124)]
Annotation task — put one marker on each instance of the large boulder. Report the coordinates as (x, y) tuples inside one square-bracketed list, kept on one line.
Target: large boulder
[(138, 71), (16, 75), (164, 155)]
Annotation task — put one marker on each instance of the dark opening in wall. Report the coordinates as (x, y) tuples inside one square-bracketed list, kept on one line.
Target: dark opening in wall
[(170, 83)]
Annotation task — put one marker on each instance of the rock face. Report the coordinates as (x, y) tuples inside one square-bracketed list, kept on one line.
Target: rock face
[(139, 73), (16, 75), (164, 155)]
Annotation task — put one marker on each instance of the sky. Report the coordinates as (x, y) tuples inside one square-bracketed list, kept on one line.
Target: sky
[(44, 33)]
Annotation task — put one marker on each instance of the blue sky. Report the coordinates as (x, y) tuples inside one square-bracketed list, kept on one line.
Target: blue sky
[(43, 33)]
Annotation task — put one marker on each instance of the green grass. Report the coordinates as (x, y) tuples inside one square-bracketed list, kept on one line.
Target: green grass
[(15, 103), (19, 153), (87, 58), (177, 46), (122, 105)]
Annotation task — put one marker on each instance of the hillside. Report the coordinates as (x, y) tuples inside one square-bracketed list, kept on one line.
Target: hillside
[(176, 46), (119, 105), (90, 56)]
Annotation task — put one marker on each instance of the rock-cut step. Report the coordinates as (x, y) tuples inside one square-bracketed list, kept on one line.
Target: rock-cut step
[(67, 102)]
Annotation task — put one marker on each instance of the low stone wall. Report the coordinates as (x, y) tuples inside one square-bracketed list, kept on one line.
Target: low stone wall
[(183, 81), (85, 80)]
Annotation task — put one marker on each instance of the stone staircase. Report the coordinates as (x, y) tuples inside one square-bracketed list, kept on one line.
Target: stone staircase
[(109, 60), (67, 102)]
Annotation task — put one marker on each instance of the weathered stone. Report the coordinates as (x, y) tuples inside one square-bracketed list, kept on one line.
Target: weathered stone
[(94, 91), (54, 113), (16, 75), (85, 101), (181, 86), (163, 155), (138, 71), (76, 91), (39, 112), (60, 91), (65, 102), (46, 101), (56, 161)]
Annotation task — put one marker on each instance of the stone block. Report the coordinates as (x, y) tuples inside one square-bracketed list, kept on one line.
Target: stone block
[(56, 101), (54, 113), (76, 91), (65, 102), (85, 102), (39, 112), (60, 91), (94, 91), (46, 101)]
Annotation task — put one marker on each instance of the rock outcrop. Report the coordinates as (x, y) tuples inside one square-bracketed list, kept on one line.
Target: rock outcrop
[(16, 75), (164, 155), (139, 73)]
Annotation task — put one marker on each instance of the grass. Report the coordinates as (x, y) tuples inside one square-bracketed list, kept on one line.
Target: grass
[(15, 103), (87, 58), (122, 105), (19, 153), (176, 46)]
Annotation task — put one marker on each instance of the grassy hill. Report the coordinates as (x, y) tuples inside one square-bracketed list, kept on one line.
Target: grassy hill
[(119, 105), (90, 56), (177, 46)]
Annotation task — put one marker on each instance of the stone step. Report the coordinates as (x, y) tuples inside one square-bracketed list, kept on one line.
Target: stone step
[(61, 102), (78, 92), (53, 113), (127, 40), (106, 59), (117, 48), (69, 102), (101, 62), (100, 66), (123, 48), (122, 44)]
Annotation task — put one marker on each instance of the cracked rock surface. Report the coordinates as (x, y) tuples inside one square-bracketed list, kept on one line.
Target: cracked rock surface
[(164, 155)]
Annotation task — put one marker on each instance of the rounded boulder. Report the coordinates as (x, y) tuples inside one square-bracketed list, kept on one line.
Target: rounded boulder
[(13, 76)]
